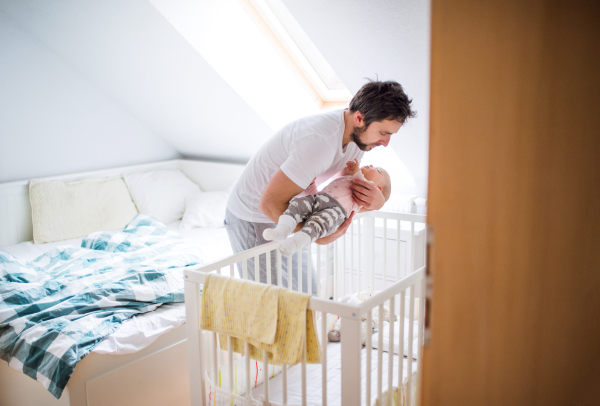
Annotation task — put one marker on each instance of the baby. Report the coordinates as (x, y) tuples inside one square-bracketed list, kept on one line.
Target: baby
[(323, 212)]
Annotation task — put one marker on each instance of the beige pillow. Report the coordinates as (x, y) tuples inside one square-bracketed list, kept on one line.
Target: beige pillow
[(61, 211)]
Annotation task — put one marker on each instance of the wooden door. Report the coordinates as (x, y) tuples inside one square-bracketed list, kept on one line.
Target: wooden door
[(514, 202)]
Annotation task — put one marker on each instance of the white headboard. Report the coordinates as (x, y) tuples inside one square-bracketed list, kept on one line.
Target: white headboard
[(15, 209)]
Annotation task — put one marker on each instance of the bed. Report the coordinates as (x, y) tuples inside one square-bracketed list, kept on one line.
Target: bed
[(145, 360)]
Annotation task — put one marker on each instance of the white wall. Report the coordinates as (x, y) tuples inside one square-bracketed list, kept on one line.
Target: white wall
[(54, 121), (388, 38), (137, 58)]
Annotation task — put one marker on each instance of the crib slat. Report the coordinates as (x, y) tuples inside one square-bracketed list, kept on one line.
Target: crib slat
[(266, 375), (359, 281), (245, 268), (384, 253), (352, 257), (401, 338), (256, 269), (412, 247), (230, 362), (247, 369), (324, 356), (300, 272), (309, 269), (336, 265), (268, 259), (319, 276), (373, 257), (290, 273), (303, 372), (214, 359), (380, 353), (398, 225), (391, 351), (409, 356), (279, 261), (231, 271), (284, 382), (343, 292), (369, 347)]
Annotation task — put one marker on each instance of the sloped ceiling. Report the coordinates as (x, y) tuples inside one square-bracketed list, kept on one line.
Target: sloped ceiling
[(131, 52)]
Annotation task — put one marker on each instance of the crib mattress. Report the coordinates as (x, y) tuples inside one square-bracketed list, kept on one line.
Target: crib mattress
[(334, 379), (141, 331)]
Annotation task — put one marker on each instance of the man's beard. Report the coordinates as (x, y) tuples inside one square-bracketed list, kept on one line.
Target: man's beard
[(356, 133)]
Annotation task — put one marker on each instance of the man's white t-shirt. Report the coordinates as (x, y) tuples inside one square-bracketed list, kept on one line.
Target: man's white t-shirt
[(305, 149)]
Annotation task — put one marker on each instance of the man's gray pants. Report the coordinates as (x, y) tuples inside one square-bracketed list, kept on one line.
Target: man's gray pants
[(244, 235)]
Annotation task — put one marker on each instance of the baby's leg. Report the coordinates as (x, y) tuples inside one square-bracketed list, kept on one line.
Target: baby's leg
[(320, 224), (298, 210)]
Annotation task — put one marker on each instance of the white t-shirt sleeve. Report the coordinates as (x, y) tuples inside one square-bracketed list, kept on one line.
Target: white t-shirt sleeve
[(307, 160)]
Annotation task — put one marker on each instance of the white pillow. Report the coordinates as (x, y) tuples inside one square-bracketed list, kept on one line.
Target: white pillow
[(161, 193), (205, 210), (61, 211)]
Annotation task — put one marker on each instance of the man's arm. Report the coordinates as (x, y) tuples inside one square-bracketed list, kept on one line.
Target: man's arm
[(277, 195), (276, 199)]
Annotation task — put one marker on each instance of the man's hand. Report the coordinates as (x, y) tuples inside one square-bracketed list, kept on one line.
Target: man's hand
[(337, 234), (352, 166), (367, 195)]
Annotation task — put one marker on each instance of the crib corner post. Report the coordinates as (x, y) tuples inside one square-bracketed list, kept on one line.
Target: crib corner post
[(351, 351), (193, 332)]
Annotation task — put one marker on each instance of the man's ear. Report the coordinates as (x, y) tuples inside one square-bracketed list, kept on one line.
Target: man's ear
[(358, 119)]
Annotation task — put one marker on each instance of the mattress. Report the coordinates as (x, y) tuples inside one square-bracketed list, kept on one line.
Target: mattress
[(334, 379), (141, 331)]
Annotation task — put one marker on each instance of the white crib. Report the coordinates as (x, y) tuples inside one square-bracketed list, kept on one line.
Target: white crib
[(382, 259)]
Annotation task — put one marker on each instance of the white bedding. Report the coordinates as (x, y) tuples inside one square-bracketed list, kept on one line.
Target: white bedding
[(141, 331), (334, 379)]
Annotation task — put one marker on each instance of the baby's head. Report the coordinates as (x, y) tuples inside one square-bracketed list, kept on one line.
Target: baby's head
[(380, 178)]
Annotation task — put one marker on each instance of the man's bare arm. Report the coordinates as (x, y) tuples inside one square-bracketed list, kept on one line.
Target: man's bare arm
[(277, 195)]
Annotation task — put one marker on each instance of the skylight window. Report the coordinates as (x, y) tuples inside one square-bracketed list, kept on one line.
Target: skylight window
[(279, 88), (292, 43)]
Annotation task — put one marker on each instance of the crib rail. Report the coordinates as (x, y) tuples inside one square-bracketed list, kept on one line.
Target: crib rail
[(361, 262)]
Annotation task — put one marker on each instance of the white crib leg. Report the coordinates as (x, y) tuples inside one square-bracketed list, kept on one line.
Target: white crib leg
[(369, 348), (195, 356), (380, 354), (391, 351), (247, 368), (351, 347), (324, 356), (303, 372), (409, 356)]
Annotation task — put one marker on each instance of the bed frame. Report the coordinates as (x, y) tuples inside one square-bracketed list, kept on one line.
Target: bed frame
[(157, 375), (382, 253)]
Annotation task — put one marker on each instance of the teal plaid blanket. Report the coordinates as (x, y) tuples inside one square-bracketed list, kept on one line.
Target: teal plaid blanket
[(56, 308)]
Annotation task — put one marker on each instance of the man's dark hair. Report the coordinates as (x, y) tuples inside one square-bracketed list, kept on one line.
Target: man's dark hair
[(378, 101)]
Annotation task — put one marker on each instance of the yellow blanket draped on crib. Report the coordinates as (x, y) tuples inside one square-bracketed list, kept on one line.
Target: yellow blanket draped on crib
[(266, 316)]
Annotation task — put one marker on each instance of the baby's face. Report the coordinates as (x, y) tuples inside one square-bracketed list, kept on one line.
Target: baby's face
[(374, 174)]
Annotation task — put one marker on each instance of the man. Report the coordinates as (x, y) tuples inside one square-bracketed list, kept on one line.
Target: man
[(313, 148)]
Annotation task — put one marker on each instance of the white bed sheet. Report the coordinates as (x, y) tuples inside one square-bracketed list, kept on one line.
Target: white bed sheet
[(141, 331), (334, 379)]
